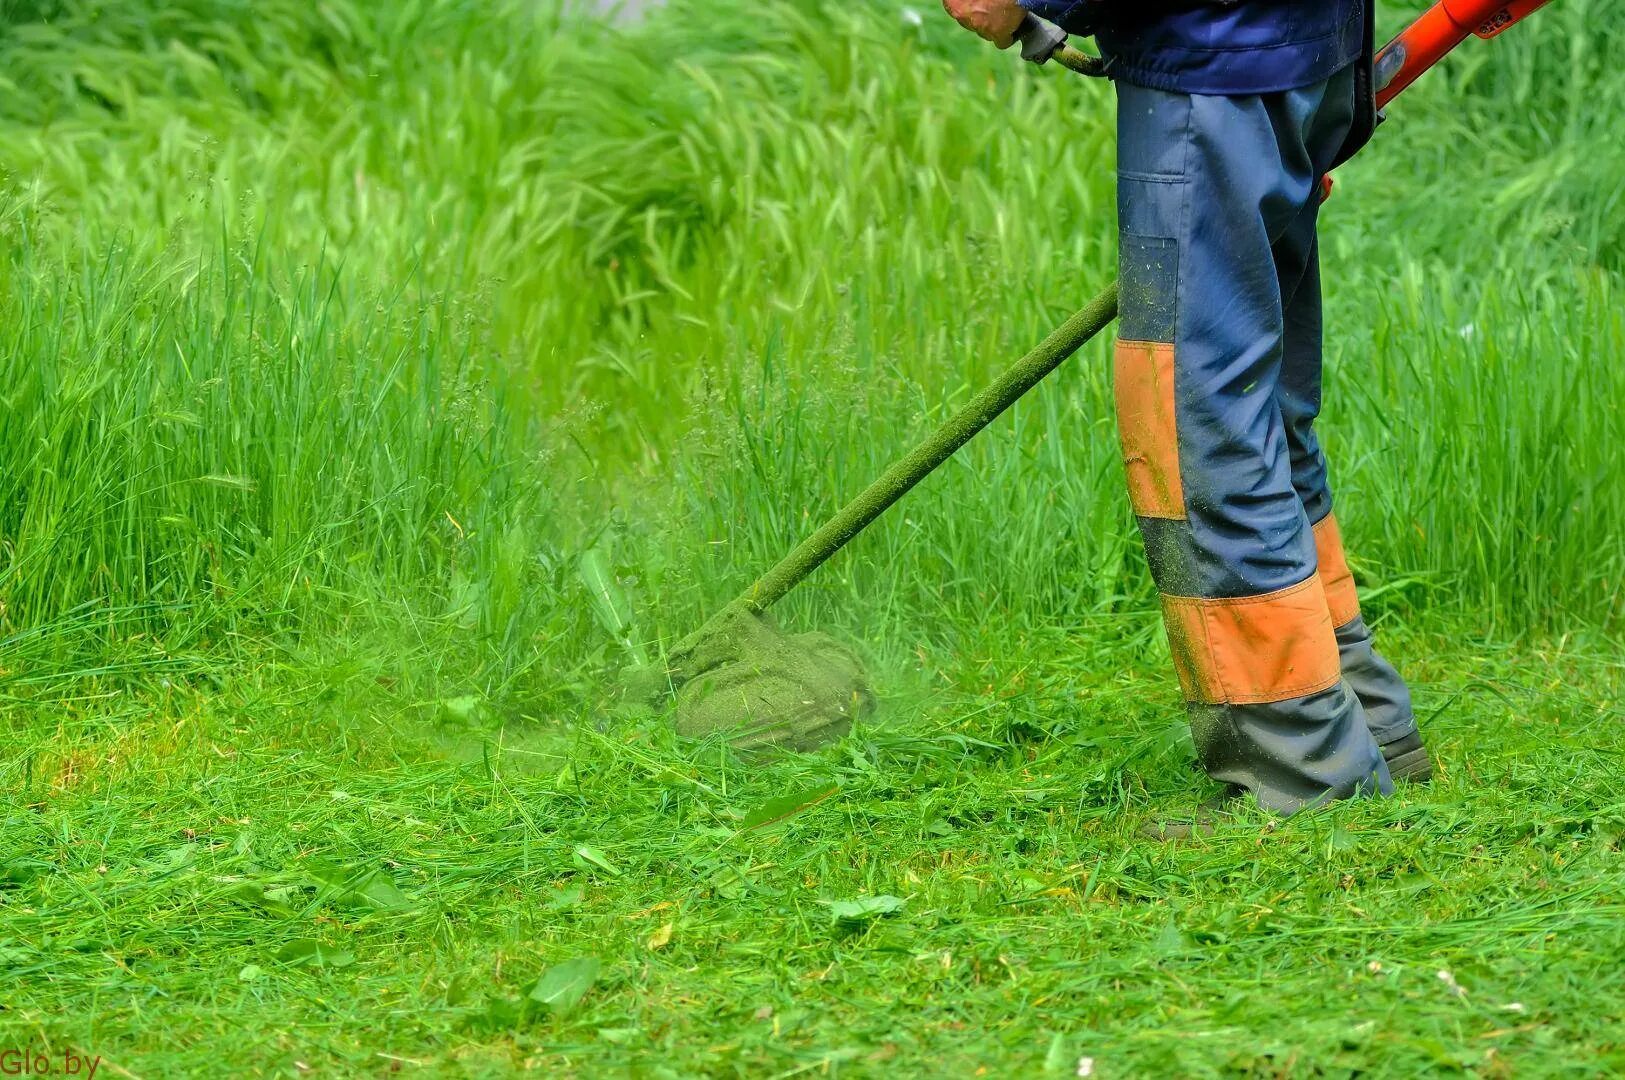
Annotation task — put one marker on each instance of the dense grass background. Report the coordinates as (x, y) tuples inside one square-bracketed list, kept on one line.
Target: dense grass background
[(412, 303), (379, 378)]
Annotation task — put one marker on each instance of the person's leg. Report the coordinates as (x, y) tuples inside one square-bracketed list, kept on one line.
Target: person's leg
[(1383, 695), (1206, 186)]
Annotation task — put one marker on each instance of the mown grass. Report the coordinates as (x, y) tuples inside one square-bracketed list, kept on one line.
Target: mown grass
[(178, 861), (378, 378)]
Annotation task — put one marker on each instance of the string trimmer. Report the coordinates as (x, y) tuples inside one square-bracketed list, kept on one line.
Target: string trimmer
[(739, 674)]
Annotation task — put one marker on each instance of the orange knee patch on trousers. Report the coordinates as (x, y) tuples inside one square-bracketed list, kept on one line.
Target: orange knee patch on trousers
[(1143, 385), (1252, 649), (1335, 575)]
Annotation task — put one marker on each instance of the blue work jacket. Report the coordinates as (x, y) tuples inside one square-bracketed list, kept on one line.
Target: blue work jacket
[(1238, 47)]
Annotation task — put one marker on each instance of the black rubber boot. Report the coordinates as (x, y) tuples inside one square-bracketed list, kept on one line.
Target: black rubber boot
[(1407, 759)]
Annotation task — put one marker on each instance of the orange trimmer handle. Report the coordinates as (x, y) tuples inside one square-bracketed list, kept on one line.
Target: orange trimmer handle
[(1441, 28), (1424, 42)]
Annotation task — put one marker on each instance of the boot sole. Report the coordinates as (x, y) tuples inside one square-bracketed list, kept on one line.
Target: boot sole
[(1411, 767)]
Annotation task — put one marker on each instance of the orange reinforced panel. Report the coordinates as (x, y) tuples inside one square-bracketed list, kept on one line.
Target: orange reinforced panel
[(1143, 384), (1335, 575), (1251, 649)]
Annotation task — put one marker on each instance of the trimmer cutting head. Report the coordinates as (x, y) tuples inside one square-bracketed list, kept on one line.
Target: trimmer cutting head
[(741, 676)]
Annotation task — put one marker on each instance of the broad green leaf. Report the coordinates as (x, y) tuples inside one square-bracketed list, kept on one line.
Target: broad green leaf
[(299, 951), (270, 899), (611, 603), (502, 1013), (864, 907), (370, 888), (308, 952), (592, 856), (562, 986), (464, 708), (1171, 939), (175, 858), (565, 900), (786, 806), (380, 890)]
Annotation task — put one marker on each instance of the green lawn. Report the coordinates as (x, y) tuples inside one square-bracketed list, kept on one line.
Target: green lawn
[(256, 876), (379, 380)]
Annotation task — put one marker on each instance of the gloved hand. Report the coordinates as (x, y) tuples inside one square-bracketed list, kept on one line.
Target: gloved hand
[(995, 20)]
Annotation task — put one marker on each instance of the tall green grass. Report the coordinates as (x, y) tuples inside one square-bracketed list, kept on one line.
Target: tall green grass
[(316, 312)]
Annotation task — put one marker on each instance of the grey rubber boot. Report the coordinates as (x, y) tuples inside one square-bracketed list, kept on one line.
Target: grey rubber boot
[(1408, 759), (1386, 702)]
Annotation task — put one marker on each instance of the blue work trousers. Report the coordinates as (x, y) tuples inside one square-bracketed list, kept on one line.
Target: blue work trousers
[(1217, 378)]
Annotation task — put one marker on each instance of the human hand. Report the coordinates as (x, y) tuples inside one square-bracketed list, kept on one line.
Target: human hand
[(995, 20)]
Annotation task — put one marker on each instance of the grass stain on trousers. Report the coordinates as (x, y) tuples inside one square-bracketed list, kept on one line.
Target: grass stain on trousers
[(1217, 378)]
